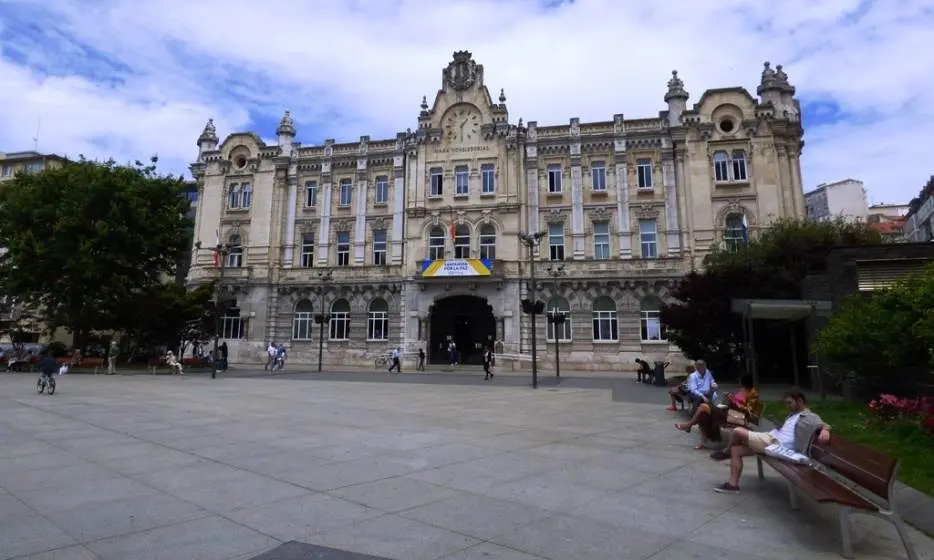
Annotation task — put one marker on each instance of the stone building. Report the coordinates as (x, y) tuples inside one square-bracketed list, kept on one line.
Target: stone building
[(420, 231)]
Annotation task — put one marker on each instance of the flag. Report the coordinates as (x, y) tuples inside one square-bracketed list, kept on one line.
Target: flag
[(452, 231), (745, 230), (217, 247)]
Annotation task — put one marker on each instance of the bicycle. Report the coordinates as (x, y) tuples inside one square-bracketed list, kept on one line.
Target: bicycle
[(382, 362), (45, 382)]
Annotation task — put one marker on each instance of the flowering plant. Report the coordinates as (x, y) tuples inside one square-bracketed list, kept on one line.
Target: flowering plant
[(888, 408)]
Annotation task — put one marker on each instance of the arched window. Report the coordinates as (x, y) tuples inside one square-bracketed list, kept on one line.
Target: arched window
[(339, 327), (605, 323), (650, 320), (559, 305), (730, 167), (488, 242), (246, 195), (739, 165), (735, 231), (436, 243), (302, 323), (232, 324), (462, 242), (377, 321), (233, 196), (721, 167), (235, 252)]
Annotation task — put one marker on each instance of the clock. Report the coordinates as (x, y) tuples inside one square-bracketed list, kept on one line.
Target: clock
[(462, 124)]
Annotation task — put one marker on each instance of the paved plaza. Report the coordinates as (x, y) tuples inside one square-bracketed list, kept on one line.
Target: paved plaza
[(189, 468)]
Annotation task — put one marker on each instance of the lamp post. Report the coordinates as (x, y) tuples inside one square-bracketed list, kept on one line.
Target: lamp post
[(325, 277), (530, 305), (221, 250), (557, 318)]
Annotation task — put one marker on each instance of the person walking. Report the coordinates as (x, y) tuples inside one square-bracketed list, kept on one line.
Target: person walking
[(421, 359), (487, 362), (396, 361)]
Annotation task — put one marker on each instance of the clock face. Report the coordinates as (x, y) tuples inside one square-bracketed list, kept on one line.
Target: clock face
[(461, 125)]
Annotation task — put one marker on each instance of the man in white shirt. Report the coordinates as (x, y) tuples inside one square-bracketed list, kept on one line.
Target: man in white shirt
[(794, 433), (700, 384), (271, 352), (396, 361)]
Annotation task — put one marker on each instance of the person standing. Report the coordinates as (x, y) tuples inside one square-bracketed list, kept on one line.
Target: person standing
[(223, 351), (396, 361), (421, 359), (112, 354)]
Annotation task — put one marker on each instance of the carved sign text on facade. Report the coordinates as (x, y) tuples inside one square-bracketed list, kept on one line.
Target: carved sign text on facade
[(464, 149)]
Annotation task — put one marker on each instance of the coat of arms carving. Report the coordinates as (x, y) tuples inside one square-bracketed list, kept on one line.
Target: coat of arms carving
[(463, 72)]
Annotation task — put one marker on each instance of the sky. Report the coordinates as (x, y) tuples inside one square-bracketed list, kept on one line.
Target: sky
[(130, 78)]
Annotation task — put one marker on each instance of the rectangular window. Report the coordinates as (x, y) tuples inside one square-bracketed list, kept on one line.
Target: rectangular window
[(488, 175), (601, 240), (308, 250), (34, 166), (739, 165), (233, 196), (311, 194), (644, 173), (462, 243), (303, 325), (605, 326), (232, 327), (554, 178), (343, 248), (346, 192), (598, 175), (7, 170), (648, 237), (436, 178), (556, 242), (339, 325), (488, 243), (461, 180), (382, 189), (377, 325), (652, 328), (246, 195), (379, 247)]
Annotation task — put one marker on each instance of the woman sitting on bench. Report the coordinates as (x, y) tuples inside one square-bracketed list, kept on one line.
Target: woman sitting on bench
[(737, 411)]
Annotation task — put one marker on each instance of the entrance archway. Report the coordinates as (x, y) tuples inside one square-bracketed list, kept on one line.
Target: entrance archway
[(468, 321)]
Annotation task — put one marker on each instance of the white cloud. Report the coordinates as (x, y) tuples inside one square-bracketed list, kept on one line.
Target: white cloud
[(347, 69)]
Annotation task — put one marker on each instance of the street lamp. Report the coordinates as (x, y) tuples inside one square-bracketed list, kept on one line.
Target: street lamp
[(557, 318), (221, 251), (531, 306), (325, 277)]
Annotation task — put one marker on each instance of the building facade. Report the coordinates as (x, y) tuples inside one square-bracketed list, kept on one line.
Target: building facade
[(919, 222), (845, 198), (421, 232)]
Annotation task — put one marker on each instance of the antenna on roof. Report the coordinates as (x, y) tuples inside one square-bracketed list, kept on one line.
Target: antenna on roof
[(35, 139)]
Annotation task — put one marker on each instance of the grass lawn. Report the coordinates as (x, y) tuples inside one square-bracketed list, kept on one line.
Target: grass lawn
[(849, 421)]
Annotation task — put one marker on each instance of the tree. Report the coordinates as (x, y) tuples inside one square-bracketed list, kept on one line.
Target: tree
[(167, 315), (772, 266), (884, 337), (85, 238)]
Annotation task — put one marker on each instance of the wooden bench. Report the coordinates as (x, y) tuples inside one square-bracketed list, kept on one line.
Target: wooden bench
[(854, 477)]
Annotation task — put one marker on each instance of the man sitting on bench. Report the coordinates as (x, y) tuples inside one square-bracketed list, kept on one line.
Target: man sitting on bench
[(794, 434)]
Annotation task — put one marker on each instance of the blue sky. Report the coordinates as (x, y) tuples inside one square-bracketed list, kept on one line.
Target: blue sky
[(125, 79)]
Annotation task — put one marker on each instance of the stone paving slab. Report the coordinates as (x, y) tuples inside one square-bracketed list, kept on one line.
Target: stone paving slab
[(152, 468)]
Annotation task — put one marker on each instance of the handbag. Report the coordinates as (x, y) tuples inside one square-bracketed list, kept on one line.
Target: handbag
[(735, 418)]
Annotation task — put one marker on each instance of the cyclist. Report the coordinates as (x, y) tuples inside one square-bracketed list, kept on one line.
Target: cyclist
[(48, 366)]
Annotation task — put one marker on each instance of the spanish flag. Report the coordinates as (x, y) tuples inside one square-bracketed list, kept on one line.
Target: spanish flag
[(452, 231)]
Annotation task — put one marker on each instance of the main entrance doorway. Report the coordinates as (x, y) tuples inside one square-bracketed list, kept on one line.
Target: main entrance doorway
[(466, 320)]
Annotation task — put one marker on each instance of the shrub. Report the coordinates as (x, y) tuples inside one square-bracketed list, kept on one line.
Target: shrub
[(889, 410)]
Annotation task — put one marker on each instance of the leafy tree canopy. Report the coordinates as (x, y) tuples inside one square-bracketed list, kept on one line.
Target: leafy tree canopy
[(773, 265), (167, 315), (890, 330), (87, 237)]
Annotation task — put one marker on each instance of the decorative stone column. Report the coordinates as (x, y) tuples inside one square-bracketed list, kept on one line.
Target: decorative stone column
[(622, 187), (324, 204)]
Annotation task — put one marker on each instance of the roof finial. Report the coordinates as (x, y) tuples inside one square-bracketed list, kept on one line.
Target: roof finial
[(424, 104), (286, 125), (502, 96), (676, 88), (209, 134)]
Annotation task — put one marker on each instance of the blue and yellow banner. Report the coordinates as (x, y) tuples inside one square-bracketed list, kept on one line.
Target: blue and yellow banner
[(448, 268)]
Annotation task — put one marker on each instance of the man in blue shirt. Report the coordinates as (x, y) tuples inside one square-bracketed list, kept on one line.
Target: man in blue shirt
[(700, 384)]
